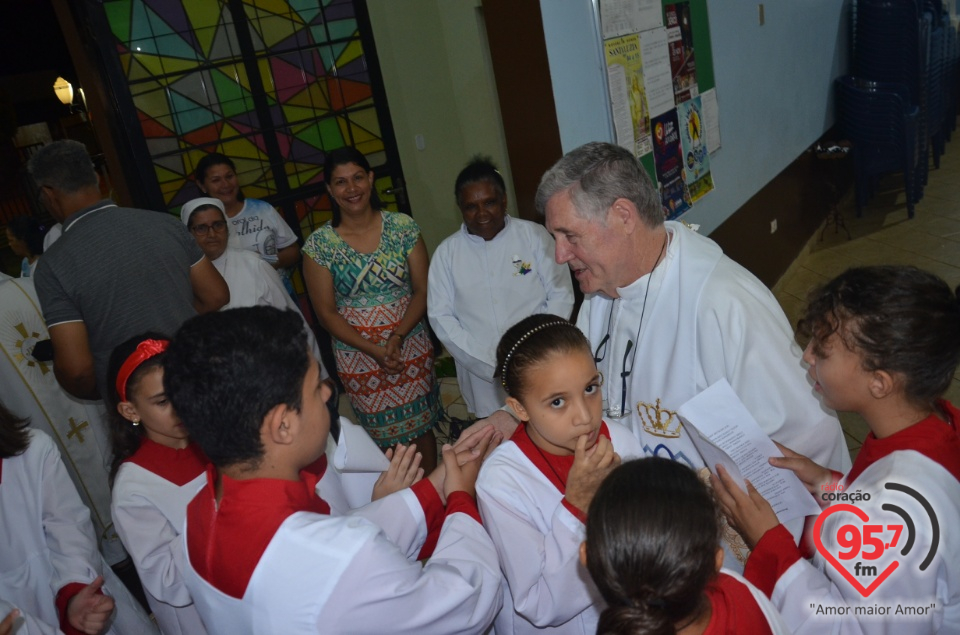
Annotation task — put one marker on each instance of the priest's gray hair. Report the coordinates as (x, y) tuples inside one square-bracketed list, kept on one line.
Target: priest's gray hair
[(64, 165), (596, 175)]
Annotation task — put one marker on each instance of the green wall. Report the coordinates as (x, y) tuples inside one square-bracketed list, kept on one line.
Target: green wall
[(439, 83)]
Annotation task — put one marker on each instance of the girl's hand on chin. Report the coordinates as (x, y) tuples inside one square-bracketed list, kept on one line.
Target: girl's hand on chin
[(590, 467)]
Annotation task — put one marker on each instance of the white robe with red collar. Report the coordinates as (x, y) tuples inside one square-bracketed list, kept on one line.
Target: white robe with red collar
[(349, 574), (149, 510), (48, 542), (815, 598), (538, 538)]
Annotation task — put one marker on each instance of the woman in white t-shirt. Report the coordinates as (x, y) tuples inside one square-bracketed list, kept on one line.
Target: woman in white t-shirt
[(255, 225)]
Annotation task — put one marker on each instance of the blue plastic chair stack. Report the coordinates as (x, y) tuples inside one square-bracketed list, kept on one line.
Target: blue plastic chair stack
[(891, 46), (888, 43), (952, 80), (949, 76), (935, 90), (881, 123)]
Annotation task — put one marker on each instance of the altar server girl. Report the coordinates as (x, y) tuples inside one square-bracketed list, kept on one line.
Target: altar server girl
[(156, 471), (885, 345), (653, 550), (50, 569), (534, 490)]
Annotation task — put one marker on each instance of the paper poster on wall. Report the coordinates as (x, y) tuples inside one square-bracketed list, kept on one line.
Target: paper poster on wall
[(683, 65), (657, 78), (711, 119), (625, 52), (620, 17), (668, 160), (696, 171), (620, 106)]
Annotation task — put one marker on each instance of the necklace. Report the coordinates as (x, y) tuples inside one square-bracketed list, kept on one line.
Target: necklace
[(612, 411)]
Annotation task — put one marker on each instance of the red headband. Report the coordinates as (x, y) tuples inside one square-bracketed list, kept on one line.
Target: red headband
[(145, 350)]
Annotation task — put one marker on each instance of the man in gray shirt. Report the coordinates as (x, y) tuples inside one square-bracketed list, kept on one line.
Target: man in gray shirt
[(116, 272)]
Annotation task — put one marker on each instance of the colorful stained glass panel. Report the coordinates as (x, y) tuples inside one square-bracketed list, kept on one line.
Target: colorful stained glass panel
[(188, 77)]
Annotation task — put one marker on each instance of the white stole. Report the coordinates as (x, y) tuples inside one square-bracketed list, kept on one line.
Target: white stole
[(666, 367), (28, 388), (665, 360)]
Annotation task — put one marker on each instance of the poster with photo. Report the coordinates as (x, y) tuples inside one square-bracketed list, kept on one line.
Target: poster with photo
[(683, 64), (693, 143), (668, 161), (624, 52)]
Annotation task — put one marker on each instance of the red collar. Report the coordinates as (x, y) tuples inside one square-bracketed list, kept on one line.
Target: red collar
[(226, 541), (934, 438), (177, 466), (555, 468), (735, 610)]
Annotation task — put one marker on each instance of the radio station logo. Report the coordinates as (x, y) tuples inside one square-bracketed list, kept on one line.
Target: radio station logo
[(861, 542)]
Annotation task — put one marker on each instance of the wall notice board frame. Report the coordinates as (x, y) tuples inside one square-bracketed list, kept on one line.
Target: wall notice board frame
[(704, 57)]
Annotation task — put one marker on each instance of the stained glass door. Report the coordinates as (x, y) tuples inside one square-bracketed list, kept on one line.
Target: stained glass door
[(273, 84)]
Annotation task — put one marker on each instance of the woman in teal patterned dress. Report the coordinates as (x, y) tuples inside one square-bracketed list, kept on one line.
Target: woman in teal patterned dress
[(366, 273)]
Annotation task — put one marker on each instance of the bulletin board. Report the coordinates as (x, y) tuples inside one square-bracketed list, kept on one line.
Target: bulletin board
[(661, 92)]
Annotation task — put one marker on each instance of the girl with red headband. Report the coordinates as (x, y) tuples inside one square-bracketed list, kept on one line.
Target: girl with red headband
[(156, 471)]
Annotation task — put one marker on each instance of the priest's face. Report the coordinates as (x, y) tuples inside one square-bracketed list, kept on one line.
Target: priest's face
[(597, 254)]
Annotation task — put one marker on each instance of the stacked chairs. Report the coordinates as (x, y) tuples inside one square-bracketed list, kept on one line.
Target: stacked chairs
[(891, 43), (905, 47), (935, 91), (952, 79), (882, 123)]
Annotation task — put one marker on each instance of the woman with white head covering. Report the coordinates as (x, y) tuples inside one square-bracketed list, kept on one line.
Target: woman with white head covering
[(252, 281)]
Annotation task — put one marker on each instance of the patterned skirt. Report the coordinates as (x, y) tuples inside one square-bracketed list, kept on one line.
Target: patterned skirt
[(392, 408)]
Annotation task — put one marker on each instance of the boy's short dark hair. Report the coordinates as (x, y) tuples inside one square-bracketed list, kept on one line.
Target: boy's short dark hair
[(225, 371)]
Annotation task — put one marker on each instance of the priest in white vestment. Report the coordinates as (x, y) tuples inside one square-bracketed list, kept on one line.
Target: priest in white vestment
[(495, 271), (668, 314), (78, 426)]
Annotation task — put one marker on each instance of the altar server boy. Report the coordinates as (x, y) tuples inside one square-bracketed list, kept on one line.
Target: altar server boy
[(263, 552)]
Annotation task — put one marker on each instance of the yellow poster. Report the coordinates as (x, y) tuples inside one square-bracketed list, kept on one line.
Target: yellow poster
[(630, 113)]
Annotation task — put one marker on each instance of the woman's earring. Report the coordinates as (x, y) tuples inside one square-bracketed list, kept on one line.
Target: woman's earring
[(135, 422), (600, 372)]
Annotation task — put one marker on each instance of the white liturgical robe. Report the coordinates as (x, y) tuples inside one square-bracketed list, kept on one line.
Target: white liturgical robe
[(149, 512), (29, 389), (253, 282), (538, 540), (48, 541), (921, 593), (703, 318), (478, 288)]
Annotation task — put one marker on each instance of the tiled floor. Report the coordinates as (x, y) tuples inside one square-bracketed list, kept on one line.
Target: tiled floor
[(883, 235)]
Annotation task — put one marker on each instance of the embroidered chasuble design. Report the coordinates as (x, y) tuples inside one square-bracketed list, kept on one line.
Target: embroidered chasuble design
[(25, 345), (29, 389), (659, 421), (76, 430)]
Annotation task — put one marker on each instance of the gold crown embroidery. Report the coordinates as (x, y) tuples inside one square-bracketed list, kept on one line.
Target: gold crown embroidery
[(659, 421)]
